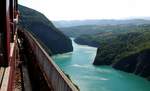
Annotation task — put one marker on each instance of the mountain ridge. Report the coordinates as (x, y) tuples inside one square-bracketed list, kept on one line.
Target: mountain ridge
[(73, 23), (44, 30)]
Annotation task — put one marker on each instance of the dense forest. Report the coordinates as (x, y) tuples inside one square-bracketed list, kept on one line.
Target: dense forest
[(43, 29), (125, 46)]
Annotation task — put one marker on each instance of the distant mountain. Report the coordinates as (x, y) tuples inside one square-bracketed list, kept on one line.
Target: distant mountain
[(44, 30), (72, 23), (126, 49), (77, 31)]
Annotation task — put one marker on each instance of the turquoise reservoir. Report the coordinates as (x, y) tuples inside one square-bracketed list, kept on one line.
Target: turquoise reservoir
[(78, 64)]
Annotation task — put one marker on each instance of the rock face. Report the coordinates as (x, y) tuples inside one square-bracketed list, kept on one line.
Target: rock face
[(101, 60), (138, 64), (129, 52), (44, 30)]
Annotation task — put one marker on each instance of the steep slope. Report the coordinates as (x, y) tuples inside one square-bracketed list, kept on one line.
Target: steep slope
[(44, 30), (127, 50)]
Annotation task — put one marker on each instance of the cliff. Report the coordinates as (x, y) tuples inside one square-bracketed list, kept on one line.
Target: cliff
[(138, 64), (129, 52), (125, 47), (44, 30)]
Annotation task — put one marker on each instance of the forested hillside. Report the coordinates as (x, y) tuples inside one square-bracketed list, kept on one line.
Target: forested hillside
[(44, 30), (125, 48)]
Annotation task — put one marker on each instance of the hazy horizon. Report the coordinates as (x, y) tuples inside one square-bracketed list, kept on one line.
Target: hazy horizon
[(128, 18), (57, 10)]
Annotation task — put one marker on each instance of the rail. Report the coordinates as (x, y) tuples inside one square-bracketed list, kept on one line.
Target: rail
[(51, 71)]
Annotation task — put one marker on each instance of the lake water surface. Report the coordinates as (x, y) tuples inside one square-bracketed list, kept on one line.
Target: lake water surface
[(78, 64)]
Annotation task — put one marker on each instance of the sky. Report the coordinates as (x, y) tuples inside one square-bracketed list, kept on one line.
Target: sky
[(90, 9)]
